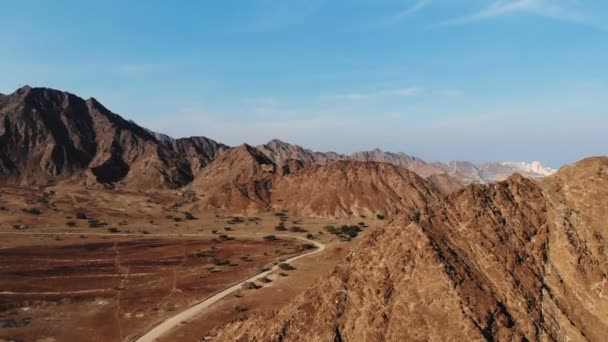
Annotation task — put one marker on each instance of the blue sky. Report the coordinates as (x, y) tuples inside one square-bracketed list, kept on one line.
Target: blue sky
[(478, 80)]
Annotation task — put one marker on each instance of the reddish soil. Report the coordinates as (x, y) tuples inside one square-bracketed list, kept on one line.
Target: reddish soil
[(114, 289)]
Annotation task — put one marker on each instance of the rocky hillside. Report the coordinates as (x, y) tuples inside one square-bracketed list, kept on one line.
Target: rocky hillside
[(515, 260), (238, 180), (48, 136), (349, 188)]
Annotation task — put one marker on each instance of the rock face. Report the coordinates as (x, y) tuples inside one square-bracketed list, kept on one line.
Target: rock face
[(199, 151), (347, 188), (238, 180), (515, 260), (48, 136)]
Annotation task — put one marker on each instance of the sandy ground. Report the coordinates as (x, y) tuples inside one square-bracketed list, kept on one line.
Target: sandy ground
[(42, 220)]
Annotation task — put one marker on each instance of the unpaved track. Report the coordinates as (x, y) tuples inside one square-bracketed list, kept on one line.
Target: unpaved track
[(173, 322)]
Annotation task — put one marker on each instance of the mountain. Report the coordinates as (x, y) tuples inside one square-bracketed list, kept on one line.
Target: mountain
[(238, 180), (514, 260), (348, 188), (199, 151), (465, 172), (48, 135), (279, 152)]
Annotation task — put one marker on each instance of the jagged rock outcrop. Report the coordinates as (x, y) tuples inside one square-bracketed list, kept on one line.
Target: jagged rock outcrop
[(515, 260), (199, 151)]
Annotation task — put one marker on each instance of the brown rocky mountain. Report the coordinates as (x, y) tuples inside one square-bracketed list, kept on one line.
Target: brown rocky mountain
[(515, 260), (48, 135), (244, 180), (238, 180), (346, 188), (199, 151)]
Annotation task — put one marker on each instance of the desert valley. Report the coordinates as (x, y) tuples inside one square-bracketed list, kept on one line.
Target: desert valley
[(112, 232)]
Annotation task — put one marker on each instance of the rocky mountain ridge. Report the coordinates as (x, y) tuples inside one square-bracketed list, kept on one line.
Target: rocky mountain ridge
[(514, 260)]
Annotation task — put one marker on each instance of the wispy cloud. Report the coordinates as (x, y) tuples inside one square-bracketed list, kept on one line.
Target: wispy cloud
[(554, 9), (413, 9), (372, 95)]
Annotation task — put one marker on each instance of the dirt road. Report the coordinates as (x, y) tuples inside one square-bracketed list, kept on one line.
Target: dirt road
[(176, 320)]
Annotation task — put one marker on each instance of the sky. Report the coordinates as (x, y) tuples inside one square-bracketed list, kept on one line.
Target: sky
[(477, 80)]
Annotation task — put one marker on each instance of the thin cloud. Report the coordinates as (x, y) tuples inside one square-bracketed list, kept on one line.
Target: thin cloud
[(397, 92), (408, 12), (542, 8)]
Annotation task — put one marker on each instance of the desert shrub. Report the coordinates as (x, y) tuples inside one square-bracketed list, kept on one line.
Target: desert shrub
[(265, 280), (286, 267), (71, 224), (33, 211), (228, 229), (145, 232), (81, 216), (225, 237), (270, 237), (113, 230), (345, 232), (214, 231), (177, 219), (123, 223), (380, 217), (283, 274), (280, 227), (95, 223), (297, 229), (219, 261), (307, 246), (250, 286), (246, 258), (309, 236), (189, 216)]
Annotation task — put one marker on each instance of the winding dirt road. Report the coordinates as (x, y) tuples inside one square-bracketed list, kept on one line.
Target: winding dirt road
[(172, 322)]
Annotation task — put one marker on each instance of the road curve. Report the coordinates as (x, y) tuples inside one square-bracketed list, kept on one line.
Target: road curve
[(172, 322)]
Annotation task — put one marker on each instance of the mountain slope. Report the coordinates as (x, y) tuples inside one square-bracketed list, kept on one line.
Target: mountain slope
[(515, 260), (199, 151), (48, 135), (350, 188), (238, 180)]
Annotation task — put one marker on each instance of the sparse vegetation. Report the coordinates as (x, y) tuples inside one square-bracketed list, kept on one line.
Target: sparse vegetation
[(297, 229), (286, 267), (270, 237), (250, 286), (345, 232), (33, 211), (81, 216), (113, 230), (96, 223), (71, 224), (380, 217), (219, 261)]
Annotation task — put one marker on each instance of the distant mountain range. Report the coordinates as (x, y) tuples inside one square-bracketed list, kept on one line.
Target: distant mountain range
[(467, 172), (49, 136)]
